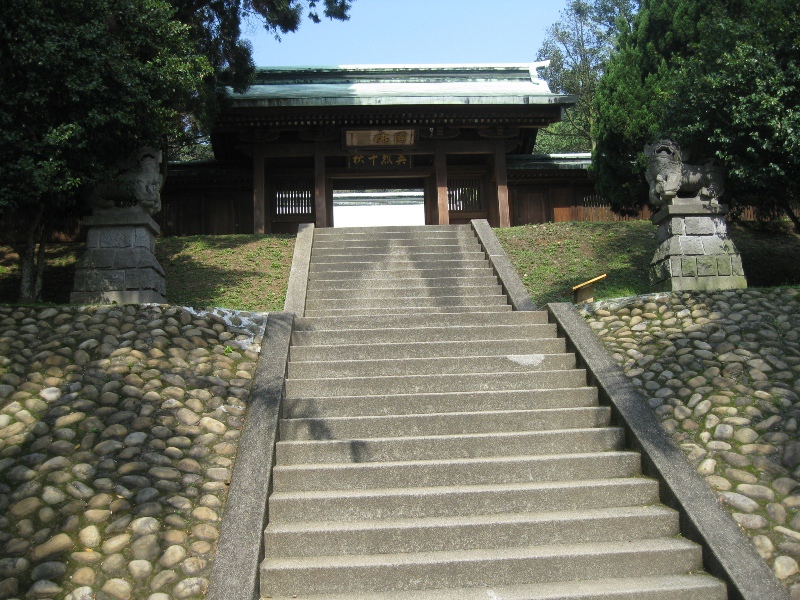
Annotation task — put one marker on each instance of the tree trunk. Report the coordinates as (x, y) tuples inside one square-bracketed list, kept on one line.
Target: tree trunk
[(32, 259), (787, 208), (41, 260)]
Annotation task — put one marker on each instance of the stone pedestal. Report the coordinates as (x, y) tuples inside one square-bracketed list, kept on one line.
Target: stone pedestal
[(694, 250), (119, 265)]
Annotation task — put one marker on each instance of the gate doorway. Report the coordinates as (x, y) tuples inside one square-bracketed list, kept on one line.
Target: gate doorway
[(375, 208), (378, 202)]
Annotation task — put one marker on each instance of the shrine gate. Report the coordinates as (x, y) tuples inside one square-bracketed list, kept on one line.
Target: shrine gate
[(298, 134)]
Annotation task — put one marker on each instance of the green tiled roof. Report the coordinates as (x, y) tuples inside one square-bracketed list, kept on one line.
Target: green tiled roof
[(370, 85)]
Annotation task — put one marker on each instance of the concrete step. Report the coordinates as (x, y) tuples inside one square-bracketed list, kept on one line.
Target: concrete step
[(416, 404), (369, 264), (380, 261), (429, 320), (433, 290), (437, 534), (432, 384), (382, 256), (392, 233), (531, 564), (384, 246), (401, 283), (388, 350), (513, 363), (406, 302), (697, 586), (342, 428), (391, 229), (405, 239), (464, 471), (357, 271), (449, 447), (404, 311), (401, 335), (395, 262), (379, 257), (461, 500), (408, 238)]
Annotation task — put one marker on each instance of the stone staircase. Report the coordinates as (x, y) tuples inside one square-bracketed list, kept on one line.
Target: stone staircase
[(435, 444)]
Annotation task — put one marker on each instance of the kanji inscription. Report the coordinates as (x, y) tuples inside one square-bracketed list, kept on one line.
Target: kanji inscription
[(380, 138), (379, 162)]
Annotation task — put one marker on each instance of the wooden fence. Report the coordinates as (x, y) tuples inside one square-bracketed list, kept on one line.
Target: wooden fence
[(558, 203)]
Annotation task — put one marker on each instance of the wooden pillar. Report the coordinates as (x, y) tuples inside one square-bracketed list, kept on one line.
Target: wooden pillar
[(431, 201), (329, 202), (320, 189), (440, 166), (501, 177), (259, 204)]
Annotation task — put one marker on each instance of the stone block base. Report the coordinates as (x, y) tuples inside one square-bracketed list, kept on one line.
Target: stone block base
[(123, 297), (694, 251), (119, 264), (688, 284)]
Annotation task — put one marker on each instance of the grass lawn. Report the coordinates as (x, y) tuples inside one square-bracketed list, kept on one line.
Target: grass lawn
[(243, 272), (250, 272), (553, 257)]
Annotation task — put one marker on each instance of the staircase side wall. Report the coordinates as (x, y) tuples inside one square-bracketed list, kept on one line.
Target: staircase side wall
[(234, 575), (727, 553)]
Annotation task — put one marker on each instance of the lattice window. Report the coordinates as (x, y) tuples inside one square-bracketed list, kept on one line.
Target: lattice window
[(593, 201), (465, 195), (294, 196)]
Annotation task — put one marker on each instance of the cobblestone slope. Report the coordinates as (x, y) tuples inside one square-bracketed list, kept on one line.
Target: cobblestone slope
[(118, 430), (119, 427), (722, 371)]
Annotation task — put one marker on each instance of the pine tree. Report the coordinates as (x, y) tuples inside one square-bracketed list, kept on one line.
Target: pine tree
[(578, 47)]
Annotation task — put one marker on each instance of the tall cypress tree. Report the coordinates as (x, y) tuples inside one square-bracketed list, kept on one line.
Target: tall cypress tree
[(722, 78), (632, 97)]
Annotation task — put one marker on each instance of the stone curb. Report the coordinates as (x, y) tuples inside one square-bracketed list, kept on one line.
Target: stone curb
[(727, 553), (234, 575), (298, 275), (505, 271)]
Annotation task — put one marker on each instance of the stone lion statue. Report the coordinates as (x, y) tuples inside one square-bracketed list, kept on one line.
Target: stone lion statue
[(674, 182), (138, 184)]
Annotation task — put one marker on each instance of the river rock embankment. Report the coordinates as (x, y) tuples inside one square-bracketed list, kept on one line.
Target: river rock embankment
[(722, 371), (118, 431)]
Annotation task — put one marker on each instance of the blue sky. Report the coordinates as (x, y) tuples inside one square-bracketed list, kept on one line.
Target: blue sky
[(415, 31)]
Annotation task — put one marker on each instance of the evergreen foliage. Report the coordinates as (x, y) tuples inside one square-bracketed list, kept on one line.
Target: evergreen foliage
[(632, 97), (85, 82), (738, 98), (578, 47), (215, 27), (82, 83), (719, 77)]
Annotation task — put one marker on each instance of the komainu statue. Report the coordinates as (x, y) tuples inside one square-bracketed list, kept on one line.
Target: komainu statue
[(138, 184), (674, 182)]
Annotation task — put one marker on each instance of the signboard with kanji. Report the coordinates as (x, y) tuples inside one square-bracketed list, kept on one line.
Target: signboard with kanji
[(380, 138), (379, 162)]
